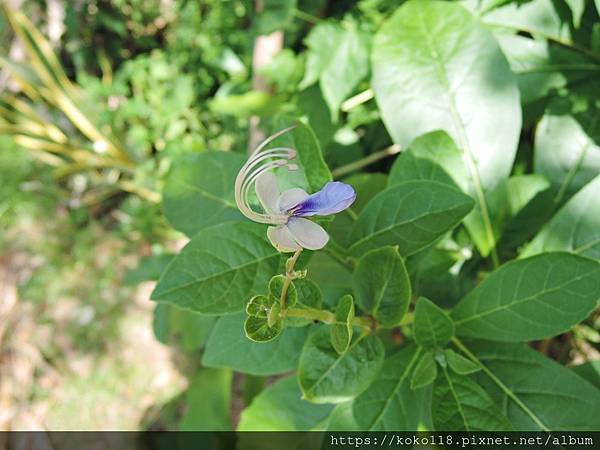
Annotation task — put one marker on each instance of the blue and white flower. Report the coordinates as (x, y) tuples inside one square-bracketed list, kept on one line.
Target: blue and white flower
[(287, 211)]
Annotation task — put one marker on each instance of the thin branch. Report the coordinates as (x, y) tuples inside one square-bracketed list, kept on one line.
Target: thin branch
[(366, 161)]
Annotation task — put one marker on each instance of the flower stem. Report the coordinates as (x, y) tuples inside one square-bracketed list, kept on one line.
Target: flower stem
[(290, 275)]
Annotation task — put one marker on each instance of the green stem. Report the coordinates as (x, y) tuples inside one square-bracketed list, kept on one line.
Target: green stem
[(500, 384), (329, 318), (367, 160), (290, 275)]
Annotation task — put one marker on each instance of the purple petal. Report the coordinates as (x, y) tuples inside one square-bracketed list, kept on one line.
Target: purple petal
[(333, 198)]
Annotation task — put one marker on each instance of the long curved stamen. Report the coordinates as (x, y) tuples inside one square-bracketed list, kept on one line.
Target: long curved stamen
[(259, 163), (276, 218), (285, 153), (270, 139)]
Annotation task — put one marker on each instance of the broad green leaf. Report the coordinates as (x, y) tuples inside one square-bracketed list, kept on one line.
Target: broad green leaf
[(525, 222), (328, 377), (589, 371), (565, 153), (432, 156), (207, 401), (425, 372), (198, 192), (341, 330), (219, 269), (411, 215), (441, 51), (342, 418), (539, 392), (381, 285), (435, 156), (529, 299), (338, 56), (367, 186), (227, 346), (333, 279), (575, 228), (459, 363), (545, 18), (312, 173), (460, 404), (542, 67), (433, 327), (312, 104), (389, 403), (523, 188), (281, 408)]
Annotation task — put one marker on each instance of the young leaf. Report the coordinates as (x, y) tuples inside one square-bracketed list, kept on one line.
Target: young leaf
[(198, 192), (258, 329), (328, 377), (207, 402), (280, 408), (538, 393), (575, 227), (565, 153), (341, 331), (381, 285), (264, 322), (411, 215), (460, 404), (459, 363), (389, 403), (433, 327), (532, 298), (425, 372), (339, 58), (219, 269), (418, 47), (228, 346)]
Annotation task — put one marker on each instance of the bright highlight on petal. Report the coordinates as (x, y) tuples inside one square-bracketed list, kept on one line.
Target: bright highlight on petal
[(267, 192), (282, 239), (308, 234)]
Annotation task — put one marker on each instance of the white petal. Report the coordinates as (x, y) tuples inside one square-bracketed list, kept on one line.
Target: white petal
[(281, 239), (291, 198), (308, 234), (268, 192)]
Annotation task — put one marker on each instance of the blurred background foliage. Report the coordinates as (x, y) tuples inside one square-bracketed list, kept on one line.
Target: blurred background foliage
[(100, 98)]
